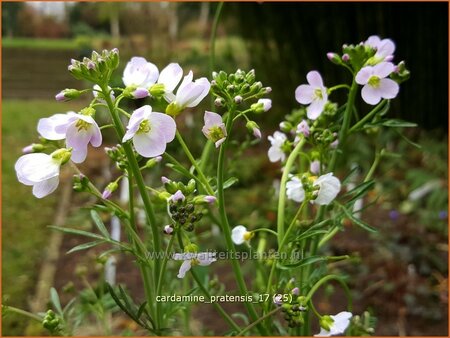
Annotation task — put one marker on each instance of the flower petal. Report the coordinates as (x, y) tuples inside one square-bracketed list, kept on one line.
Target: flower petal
[(204, 84), (388, 88), (237, 234), (329, 188), (139, 72), (294, 190), (212, 119), (304, 94), (370, 95), (276, 154), (185, 267), (164, 124), (46, 187), (170, 76), (315, 109), (46, 126), (36, 167), (383, 69), (314, 79), (150, 144), (364, 75), (78, 140)]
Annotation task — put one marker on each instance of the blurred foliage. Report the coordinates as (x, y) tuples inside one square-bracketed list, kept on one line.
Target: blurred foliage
[(289, 38), (23, 235)]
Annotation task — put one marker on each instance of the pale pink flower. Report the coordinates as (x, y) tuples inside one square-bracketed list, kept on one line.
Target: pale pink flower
[(140, 75), (314, 94), (337, 326), (376, 84), (303, 128), (150, 131), (214, 128), (79, 130), (276, 152), (385, 48)]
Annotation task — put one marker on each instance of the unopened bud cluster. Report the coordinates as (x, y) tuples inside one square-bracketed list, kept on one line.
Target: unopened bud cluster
[(293, 312), (97, 68), (238, 86)]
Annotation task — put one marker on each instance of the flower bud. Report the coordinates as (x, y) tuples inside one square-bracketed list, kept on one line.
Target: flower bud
[(140, 93), (285, 126), (157, 90), (191, 248), (253, 127), (67, 94), (152, 162), (178, 196), (345, 57), (261, 106), (168, 229), (62, 155), (295, 291), (238, 99), (219, 102), (110, 188), (33, 148)]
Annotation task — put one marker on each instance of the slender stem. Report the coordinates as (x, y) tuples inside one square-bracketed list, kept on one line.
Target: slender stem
[(332, 89), (145, 272), (134, 168), (164, 264), (282, 194), (260, 319), (374, 166), (194, 163), (368, 116), (212, 42), (225, 224), (21, 312), (345, 124), (325, 280), (216, 305), (270, 231)]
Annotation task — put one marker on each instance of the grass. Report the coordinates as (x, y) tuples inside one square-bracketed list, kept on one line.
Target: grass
[(40, 43), (24, 218)]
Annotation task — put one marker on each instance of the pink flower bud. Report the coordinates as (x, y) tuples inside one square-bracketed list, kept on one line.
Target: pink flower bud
[(164, 180), (140, 93), (345, 57), (60, 96), (295, 291), (210, 199), (168, 229)]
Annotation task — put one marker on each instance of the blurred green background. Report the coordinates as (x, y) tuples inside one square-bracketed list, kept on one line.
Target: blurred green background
[(282, 42)]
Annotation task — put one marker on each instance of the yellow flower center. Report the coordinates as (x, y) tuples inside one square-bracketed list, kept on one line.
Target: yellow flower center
[(374, 81), (144, 127), (216, 133), (194, 262), (81, 124), (318, 94), (248, 235)]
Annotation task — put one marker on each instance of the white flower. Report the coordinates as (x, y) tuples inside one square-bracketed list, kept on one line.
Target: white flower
[(168, 79), (294, 190), (140, 74), (329, 187), (336, 324), (276, 152), (385, 48), (315, 94), (193, 259), (239, 234), (150, 131), (78, 129), (189, 94), (41, 171)]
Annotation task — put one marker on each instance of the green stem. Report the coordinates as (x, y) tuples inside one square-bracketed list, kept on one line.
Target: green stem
[(369, 115), (21, 312), (212, 43), (194, 163), (216, 305), (374, 166), (325, 280), (226, 226), (282, 194), (145, 272), (260, 319), (134, 168), (345, 124), (270, 231), (332, 89)]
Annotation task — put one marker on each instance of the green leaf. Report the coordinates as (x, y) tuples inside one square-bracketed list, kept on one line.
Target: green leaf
[(141, 309), (77, 232), (308, 234), (229, 182), (303, 262), (99, 223), (397, 123), (55, 301), (357, 221), (360, 190), (85, 246), (416, 145)]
